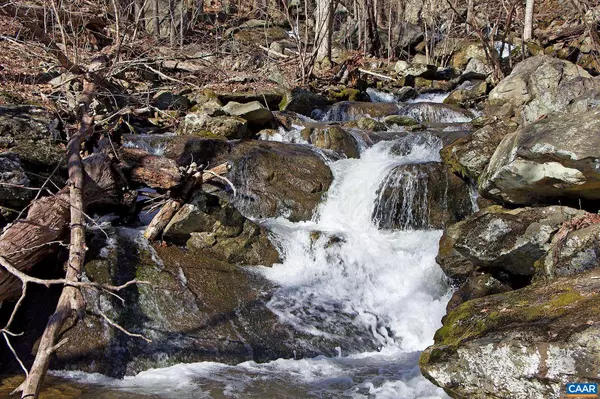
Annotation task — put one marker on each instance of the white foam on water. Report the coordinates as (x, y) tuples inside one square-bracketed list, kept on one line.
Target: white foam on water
[(437, 98), (378, 96), (339, 271), (384, 282)]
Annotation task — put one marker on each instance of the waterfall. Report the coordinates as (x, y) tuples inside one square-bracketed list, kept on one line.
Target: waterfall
[(379, 293)]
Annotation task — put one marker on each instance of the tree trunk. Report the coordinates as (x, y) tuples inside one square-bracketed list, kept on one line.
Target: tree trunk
[(470, 14), (372, 41), (528, 30), (323, 29)]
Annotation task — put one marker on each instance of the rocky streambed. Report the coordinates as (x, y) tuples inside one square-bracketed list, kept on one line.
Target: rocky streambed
[(354, 227)]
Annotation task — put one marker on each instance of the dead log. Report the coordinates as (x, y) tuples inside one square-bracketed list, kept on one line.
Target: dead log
[(149, 170), (28, 241), (164, 216), (71, 300)]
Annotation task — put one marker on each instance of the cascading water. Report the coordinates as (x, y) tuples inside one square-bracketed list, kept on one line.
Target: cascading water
[(341, 278)]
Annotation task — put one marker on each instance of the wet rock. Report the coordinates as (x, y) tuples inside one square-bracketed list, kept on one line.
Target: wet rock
[(437, 113), (253, 112), (505, 243), (469, 156), (554, 158), (371, 124), (218, 230), (202, 125), (33, 134), (405, 93), (275, 179), (421, 196), (354, 110), (196, 308), (522, 344), (400, 120), (333, 138), (542, 85), (302, 101)]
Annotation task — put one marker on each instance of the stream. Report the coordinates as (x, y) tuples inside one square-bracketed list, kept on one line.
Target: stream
[(342, 276)]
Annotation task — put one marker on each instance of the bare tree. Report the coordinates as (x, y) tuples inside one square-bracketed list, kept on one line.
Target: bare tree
[(323, 29), (528, 30)]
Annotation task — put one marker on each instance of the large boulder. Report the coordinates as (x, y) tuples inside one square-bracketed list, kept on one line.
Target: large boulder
[(470, 155), (254, 112), (550, 160), (333, 138), (522, 344), (33, 134), (421, 196), (506, 243), (217, 230), (542, 85), (278, 179), (195, 308), (202, 125)]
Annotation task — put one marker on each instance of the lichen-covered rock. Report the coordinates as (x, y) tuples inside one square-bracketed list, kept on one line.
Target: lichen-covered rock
[(202, 125), (228, 236), (573, 250), (506, 243), (522, 344), (469, 156), (549, 160), (333, 138), (254, 112), (275, 179), (542, 85), (33, 134), (421, 196)]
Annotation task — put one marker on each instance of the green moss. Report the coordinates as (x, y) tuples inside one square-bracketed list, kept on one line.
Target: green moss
[(345, 94)]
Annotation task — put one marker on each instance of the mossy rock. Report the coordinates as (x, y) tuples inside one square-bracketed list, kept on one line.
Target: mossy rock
[(400, 120), (503, 345)]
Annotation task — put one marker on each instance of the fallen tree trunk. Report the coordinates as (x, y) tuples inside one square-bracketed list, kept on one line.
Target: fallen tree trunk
[(149, 170), (166, 213), (28, 241), (71, 300)]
